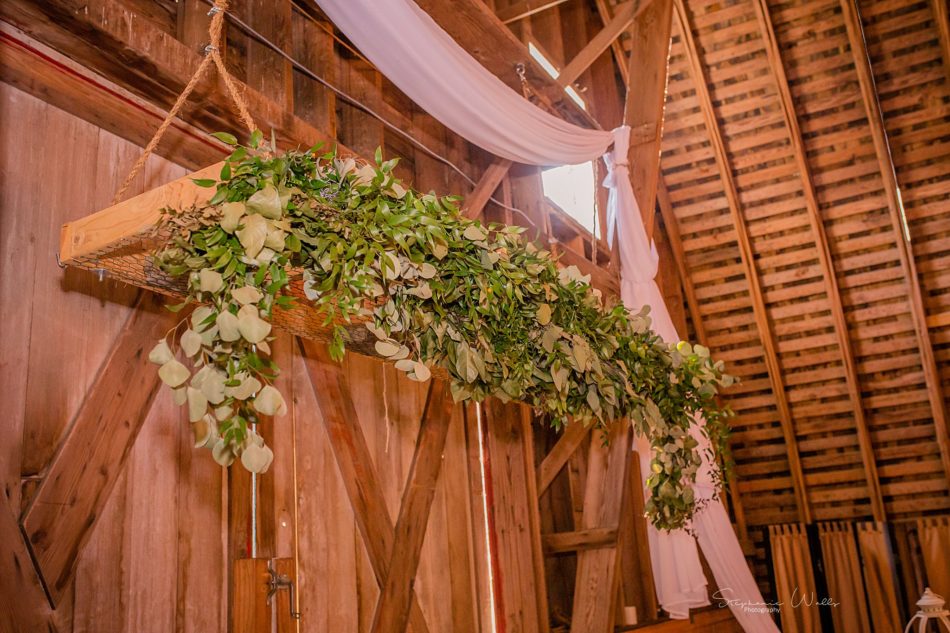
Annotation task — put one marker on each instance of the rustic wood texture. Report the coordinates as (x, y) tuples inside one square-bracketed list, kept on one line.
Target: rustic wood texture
[(646, 100), (773, 168), (27, 608), (393, 607)]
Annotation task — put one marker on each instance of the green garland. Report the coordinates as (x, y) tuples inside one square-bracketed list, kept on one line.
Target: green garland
[(436, 289)]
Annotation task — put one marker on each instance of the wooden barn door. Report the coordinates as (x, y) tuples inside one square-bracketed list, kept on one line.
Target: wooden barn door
[(368, 512)]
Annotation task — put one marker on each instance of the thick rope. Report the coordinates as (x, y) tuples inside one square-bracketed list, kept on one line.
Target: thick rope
[(215, 30)]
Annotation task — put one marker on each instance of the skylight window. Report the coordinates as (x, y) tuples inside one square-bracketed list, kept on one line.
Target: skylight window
[(572, 188), (552, 70)]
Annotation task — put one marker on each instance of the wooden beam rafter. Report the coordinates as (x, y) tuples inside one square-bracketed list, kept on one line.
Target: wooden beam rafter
[(525, 8), (571, 438), (392, 607), (942, 23), (475, 202), (616, 47), (747, 255), (825, 259), (622, 18), (899, 224), (334, 399)]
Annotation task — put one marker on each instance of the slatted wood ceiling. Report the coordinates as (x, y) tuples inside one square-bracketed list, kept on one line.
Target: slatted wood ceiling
[(914, 92)]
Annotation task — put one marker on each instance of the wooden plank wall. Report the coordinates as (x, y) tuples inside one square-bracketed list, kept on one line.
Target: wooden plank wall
[(158, 555), (912, 86)]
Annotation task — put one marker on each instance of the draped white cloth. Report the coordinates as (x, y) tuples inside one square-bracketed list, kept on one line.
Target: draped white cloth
[(423, 61)]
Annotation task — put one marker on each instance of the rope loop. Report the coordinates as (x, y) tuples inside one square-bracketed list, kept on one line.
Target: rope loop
[(212, 56)]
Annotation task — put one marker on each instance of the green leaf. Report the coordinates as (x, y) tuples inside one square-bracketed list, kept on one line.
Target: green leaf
[(204, 182), (224, 137)]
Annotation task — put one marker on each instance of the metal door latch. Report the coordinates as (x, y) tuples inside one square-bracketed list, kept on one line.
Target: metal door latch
[(278, 582)]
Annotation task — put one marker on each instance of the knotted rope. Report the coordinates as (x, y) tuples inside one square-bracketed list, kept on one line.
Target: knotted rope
[(213, 56)]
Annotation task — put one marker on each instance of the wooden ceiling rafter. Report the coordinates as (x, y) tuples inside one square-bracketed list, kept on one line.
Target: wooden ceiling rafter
[(941, 15), (747, 256), (616, 47), (825, 259), (621, 19), (525, 9), (872, 106)]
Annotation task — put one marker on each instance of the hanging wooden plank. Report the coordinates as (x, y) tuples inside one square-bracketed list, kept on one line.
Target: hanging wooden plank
[(392, 609), (825, 260), (26, 607), (571, 438), (356, 465), (622, 18), (597, 583), (475, 202), (899, 226), (646, 99), (747, 256), (77, 485)]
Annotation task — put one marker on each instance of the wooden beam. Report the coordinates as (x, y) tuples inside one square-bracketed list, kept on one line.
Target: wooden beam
[(597, 582), (115, 41), (623, 16), (475, 202), (942, 23), (619, 54), (352, 454), (692, 302), (766, 334), (571, 438), (525, 8), (875, 115), (392, 608), (646, 101), (69, 501), (825, 260), (26, 607), (40, 71), (592, 538), (252, 611), (473, 25)]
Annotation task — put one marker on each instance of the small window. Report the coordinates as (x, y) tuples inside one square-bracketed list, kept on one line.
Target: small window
[(552, 70), (572, 188)]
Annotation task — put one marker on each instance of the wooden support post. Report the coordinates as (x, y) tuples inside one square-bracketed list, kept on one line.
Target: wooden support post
[(597, 583), (69, 501), (824, 259), (902, 238), (392, 609), (638, 587), (622, 18), (646, 101), (520, 563), (356, 465), (571, 438), (475, 202), (25, 605), (748, 260)]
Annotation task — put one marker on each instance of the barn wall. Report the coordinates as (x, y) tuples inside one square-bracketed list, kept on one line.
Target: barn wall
[(159, 554)]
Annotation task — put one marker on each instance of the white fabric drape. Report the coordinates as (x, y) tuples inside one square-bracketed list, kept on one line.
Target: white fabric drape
[(423, 61)]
